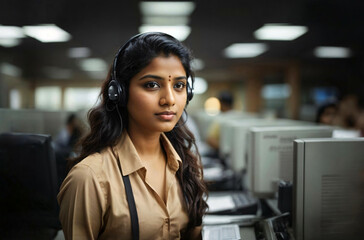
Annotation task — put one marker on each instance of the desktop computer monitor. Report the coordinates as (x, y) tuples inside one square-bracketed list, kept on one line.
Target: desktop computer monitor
[(205, 120), (270, 155), (28, 179), (226, 132), (234, 138), (328, 199)]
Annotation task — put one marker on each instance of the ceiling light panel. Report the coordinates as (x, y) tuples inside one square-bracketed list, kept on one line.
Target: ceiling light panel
[(165, 20), (166, 8), (93, 64), (200, 85), (197, 64), (79, 52), (10, 70), (8, 32), (9, 42), (245, 50), (281, 32), (332, 52), (179, 32), (47, 33)]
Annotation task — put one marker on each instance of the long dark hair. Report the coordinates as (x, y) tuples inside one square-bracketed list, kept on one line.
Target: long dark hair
[(104, 121)]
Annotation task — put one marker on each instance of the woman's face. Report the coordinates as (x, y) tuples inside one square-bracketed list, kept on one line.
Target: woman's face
[(157, 95)]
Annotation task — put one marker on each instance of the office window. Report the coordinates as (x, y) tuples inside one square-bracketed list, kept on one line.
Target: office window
[(80, 98), (48, 98)]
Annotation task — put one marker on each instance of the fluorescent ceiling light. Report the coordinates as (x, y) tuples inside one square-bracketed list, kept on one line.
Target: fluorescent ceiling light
[(245, 50), (165, 20), (11, 32), (9, 42), (280, 32), (332, 52), (197, 64), (47, 33), (179, 32), (200, 85), (79, 52), (166, 8), (93, 64), (10, 70)]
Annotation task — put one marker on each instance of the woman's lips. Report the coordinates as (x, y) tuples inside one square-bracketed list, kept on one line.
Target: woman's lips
[(166, 116)]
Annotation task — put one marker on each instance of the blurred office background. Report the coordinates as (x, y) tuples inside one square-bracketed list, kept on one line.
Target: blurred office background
[(279, 59), (54, 54)]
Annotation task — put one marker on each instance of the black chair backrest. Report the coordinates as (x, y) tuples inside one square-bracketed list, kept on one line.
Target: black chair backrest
[(28, 181)]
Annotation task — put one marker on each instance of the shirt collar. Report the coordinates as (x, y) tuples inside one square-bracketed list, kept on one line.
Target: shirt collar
[(130, 161), (173, 159)]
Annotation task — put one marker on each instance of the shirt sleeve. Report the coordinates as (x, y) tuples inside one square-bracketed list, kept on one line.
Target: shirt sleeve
[(82, 204)]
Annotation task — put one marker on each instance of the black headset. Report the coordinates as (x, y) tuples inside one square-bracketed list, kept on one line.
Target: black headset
[(116, 90)]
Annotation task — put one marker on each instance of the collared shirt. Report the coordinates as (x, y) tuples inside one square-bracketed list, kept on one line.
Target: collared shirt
[(93, 202)]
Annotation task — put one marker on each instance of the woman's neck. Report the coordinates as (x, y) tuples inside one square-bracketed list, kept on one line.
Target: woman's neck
[(147, 145)]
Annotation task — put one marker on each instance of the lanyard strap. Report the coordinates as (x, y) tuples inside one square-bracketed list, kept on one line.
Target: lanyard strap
[(131, 203)]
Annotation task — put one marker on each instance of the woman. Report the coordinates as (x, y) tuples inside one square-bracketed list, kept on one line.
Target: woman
[(137, 132)]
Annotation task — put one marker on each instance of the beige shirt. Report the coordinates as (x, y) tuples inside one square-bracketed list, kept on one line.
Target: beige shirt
[(93, 201)]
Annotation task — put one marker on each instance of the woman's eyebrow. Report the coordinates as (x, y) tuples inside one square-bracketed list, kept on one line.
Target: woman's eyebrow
[(161, 78), (151, 76), (181, 78)]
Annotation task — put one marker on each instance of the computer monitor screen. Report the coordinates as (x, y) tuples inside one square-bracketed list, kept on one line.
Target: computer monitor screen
[(270, 155), (28, 179), (328, 188)]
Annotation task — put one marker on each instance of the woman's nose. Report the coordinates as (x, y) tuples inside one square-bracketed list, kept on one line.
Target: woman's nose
[(167, 97)]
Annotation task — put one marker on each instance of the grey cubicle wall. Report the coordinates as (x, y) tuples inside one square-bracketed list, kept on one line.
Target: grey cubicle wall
[(34, 121)]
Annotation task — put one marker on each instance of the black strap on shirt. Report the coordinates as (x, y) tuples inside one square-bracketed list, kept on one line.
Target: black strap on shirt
[(132, 206)]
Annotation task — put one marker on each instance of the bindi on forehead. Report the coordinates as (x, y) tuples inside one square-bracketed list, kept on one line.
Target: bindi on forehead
[(169, 77)]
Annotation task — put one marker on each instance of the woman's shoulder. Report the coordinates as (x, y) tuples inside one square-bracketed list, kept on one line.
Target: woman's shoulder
[(97, 163)]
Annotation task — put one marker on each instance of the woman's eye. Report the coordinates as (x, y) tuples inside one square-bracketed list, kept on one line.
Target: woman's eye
[(180, 85), (151, 85)]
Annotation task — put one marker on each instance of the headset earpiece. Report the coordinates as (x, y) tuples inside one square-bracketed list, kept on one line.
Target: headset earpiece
[(115, 92)]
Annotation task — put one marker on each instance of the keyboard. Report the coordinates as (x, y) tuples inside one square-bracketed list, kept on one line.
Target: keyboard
[(241, 200), (221, 232)]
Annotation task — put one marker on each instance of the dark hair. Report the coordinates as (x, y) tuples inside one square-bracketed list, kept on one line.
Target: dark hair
[(321, 110), (105, 127), (226, 97), (70, 118)]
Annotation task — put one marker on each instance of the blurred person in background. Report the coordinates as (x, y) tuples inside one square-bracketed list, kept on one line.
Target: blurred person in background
[(327, 113), (65, 144), (226, 106), (70, 134), (360, 123), (348, 112)]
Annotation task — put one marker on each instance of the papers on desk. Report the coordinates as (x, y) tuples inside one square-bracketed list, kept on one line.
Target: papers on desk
[(220, 203), (213, 173), (221, 232), (242, 220)]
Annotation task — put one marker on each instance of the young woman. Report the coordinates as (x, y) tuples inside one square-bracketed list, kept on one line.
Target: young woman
[(137, 133)]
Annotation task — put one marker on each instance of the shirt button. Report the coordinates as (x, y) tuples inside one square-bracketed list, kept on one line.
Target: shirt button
[(166, 220)]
